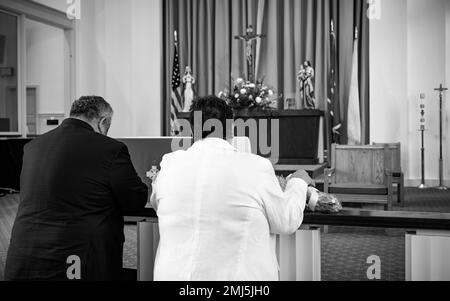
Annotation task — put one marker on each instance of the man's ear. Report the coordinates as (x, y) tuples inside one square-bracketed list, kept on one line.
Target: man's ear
[(106, 122), (104, 125)]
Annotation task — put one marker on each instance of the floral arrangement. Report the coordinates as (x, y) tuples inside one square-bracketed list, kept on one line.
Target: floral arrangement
[(246, 94)]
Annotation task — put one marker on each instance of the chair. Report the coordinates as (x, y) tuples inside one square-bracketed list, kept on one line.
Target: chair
[(397, 173), (360, 174)]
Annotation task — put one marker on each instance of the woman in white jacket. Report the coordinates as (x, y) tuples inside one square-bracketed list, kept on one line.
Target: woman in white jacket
[(219, 209)]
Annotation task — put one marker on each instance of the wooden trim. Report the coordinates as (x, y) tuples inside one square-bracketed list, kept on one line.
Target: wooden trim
[(20, 62), (341, 146), (21, 75), (390, 191), (333, 155), (362, 198), (366, 218), (70, 68), (38, 12), (328, 178), (259, 113)]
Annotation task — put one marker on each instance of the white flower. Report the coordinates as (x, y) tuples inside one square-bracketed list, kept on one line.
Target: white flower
[(239, 81), (220, 94), (236, 96), (270, 92), (251, 85), (258, 99), (243, 91)]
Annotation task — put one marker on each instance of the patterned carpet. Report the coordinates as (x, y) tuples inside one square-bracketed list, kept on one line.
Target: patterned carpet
[(344, 249), (355, 245), (8, 209)]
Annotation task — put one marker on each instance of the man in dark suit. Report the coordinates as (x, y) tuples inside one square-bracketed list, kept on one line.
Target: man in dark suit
[(76, 186)]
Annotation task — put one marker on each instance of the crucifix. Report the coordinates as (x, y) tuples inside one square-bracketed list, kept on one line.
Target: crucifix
[(249, 38), (441, 90)]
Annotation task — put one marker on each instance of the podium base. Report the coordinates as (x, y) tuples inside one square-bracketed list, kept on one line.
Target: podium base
[(422, 186)]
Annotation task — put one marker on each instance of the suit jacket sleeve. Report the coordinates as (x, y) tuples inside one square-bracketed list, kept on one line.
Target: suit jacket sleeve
[(284, 210), (127, 187)]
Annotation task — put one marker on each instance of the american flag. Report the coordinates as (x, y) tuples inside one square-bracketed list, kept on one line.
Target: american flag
[(333, 93), (176, 104)]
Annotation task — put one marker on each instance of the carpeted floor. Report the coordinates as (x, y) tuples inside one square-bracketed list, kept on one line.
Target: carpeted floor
[(8, 209), (344, 250)]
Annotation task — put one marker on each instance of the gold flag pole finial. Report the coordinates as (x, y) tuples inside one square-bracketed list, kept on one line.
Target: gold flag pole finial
[(332, 26), (175, 36), (356, 33)]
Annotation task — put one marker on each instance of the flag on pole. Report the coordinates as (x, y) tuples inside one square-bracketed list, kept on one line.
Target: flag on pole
[(354, 115), (333, 100), (176, 104)]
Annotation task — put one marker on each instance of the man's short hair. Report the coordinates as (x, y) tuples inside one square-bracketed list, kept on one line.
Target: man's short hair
[(91, 107), (211, 107)]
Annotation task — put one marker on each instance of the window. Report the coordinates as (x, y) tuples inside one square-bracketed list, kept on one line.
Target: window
[(9, 100), (37, 67)]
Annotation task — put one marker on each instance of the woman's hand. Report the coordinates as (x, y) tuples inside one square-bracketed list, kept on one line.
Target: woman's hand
[(302, 174)]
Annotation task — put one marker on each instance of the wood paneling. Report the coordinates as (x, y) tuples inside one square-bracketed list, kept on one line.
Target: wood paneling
[(360, 164), (394, 150)]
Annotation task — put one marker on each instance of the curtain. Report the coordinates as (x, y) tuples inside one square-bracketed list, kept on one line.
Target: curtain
[(348, 14), (296, 31)]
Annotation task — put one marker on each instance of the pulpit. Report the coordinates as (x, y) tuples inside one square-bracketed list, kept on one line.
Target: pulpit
[(299, 134)]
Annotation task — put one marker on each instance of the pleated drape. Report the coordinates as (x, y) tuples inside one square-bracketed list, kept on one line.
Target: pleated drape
[(296, 30), (349, 14)]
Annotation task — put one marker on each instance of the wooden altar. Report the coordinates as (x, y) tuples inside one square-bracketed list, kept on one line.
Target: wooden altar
[(300, 134)]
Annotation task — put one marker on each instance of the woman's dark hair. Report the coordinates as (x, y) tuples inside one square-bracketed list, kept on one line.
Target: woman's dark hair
[(91, 107), (211, 107)]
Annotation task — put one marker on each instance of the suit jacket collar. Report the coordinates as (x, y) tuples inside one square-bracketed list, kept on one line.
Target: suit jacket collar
[(77, 123)]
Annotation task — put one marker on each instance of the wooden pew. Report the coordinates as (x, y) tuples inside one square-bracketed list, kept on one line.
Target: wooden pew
[(360, 174), (394, 150)]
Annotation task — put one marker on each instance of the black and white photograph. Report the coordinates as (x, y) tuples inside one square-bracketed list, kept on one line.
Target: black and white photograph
[(230, 143)]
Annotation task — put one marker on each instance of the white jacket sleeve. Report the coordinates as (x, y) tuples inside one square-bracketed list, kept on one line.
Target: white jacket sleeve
[(155, 197), (284, 210)]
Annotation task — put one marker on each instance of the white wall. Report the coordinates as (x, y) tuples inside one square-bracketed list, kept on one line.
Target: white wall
[(45, 65), (119, 57), (426, 70), (410, 54), (388, 81), (90, 51)]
